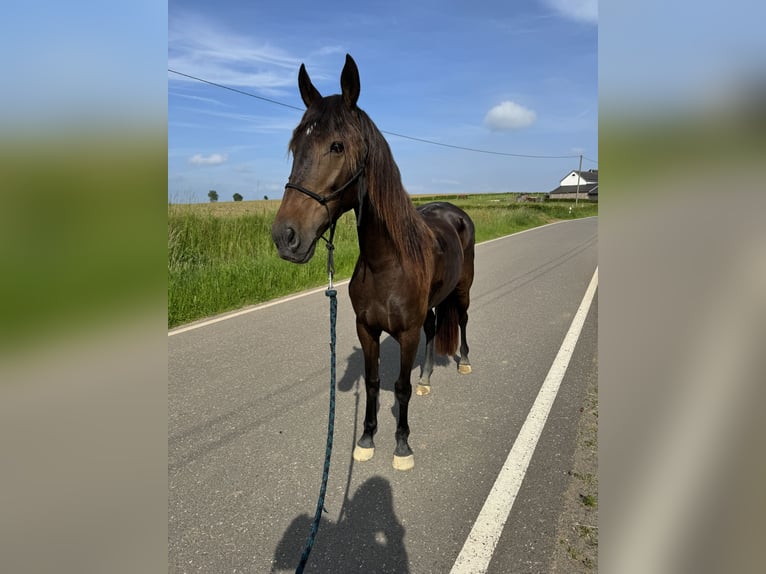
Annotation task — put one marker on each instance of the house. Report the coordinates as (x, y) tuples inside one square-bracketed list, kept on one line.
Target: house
[(567, 188)]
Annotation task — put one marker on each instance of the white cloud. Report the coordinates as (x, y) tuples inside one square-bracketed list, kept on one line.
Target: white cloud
[(212, 159), (580, 10), (201, 48), (331, 50), (509, 116)]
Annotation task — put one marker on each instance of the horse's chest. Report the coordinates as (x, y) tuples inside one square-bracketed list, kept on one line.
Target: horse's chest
[(391, 306)]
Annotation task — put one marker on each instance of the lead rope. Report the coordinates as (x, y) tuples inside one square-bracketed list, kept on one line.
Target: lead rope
[(331, 293)]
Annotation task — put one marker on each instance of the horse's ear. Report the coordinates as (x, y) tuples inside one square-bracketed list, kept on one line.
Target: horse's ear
[(308, 92), (349, 82)]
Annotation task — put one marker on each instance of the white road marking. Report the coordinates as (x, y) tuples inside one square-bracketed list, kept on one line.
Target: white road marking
[(527, 230), (247, 310), (477, 551)]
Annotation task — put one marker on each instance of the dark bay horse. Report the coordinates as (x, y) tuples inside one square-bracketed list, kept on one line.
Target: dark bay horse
[(415, 266)]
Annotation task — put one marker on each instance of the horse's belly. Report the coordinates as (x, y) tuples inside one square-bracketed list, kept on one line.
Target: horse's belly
[(440, 291), (446, 277)]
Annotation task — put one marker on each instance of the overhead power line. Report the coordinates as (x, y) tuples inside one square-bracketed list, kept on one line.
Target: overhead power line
[(236, 90), (479, 150), (422, 140)]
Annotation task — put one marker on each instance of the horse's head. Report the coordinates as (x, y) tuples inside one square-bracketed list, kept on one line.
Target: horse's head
[(329, 153)]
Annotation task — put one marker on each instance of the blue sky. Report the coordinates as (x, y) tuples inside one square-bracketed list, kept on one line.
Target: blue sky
[(513, 77)]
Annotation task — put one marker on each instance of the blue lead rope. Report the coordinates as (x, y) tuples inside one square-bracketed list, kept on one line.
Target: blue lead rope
[(331, 293)]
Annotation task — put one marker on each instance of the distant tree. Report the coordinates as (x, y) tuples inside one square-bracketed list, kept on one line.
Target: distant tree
[(237, 197), (266, 197), (213, 195)]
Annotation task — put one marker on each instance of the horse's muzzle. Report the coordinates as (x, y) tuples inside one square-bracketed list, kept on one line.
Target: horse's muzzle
[(290, 245)]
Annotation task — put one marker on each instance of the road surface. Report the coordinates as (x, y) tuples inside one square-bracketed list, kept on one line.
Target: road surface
[(248, 402)]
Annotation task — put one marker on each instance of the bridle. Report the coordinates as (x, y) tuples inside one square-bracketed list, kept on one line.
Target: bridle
[(323, 199)]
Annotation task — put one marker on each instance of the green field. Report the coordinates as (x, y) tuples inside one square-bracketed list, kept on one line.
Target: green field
[(221, 257)]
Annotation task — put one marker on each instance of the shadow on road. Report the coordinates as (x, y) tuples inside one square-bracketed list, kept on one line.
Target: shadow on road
[(367, 538), (389, 365)]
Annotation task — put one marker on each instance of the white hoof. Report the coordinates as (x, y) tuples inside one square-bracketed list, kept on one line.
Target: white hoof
[(404, 462), (362, 454), (464, 369), (422, 390)]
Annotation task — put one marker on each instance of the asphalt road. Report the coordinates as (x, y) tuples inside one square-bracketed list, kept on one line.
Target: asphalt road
[(247, 420)]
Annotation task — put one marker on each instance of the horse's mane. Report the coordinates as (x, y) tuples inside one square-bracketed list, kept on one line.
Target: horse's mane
[(408, 231)]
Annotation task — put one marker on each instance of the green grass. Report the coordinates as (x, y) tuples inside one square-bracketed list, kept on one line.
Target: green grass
[(221, 256), (218, 263)]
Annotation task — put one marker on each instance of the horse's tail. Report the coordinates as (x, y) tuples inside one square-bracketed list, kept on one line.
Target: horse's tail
[(447, 328)]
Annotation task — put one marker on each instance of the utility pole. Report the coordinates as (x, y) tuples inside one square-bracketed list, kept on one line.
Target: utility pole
[(579, 175)]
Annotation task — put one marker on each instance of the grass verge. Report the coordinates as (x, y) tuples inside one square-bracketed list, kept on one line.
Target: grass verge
[(577, 533), (221, 256)]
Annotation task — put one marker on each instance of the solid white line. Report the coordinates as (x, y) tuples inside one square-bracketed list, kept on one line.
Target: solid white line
[(219, 318), (247, 310), (478, 548), (533, 229)]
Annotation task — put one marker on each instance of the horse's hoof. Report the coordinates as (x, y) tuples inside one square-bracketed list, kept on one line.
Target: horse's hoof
[(404, 462), (464, 369), (362, 454), (422, 390)]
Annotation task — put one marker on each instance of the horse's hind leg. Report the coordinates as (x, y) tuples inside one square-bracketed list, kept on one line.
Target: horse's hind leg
[(463, 300), (464, 366), (365, 447), (424, 385), (408, 343)]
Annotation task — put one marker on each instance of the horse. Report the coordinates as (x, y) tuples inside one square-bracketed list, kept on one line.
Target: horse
[(415, 266)]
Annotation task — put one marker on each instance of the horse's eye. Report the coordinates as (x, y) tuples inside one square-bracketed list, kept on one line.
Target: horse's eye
[(336, 147)]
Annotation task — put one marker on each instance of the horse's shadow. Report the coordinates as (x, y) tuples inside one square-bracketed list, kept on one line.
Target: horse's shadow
[(367, 538), (388, 369), (389, 364)]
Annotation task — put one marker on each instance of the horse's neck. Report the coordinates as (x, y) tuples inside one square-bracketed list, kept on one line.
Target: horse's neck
[(375, 242)]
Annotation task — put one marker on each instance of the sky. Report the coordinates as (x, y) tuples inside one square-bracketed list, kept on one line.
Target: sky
[(506, 77)]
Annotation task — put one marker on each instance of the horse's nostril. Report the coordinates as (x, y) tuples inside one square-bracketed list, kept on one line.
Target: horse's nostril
[(292, 239)]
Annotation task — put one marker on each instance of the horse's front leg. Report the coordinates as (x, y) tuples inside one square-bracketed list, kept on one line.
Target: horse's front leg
[(408, 343), (370, 340)]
